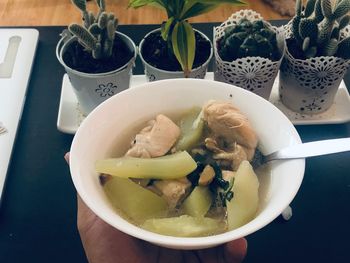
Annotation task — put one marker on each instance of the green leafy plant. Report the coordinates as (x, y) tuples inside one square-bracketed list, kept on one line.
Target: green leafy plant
[(177, 31), (248, 39), (97, 33), (316, 28)]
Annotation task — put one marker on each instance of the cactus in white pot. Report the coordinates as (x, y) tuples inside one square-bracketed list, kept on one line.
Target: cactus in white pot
[(98, 59), (248, 52), (317, 55)]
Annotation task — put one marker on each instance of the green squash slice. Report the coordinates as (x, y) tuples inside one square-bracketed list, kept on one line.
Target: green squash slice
[(171, 166)]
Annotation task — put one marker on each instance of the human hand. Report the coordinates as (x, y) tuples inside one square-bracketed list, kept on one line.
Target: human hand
[(105, 244)]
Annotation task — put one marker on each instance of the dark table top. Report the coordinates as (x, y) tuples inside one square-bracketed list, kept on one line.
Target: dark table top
[(38, 210)]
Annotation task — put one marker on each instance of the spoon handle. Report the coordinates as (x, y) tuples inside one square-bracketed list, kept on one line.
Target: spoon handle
[(310, 149)]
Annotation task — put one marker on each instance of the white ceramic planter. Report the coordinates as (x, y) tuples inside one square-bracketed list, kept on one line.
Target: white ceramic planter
[(93, 89), (152, 73), (255, 74), (309, 86)]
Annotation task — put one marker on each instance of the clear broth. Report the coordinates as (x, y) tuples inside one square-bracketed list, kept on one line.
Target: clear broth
[(122, 144)]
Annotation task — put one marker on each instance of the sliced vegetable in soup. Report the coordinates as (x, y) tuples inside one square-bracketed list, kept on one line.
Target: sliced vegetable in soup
[(187, 177)]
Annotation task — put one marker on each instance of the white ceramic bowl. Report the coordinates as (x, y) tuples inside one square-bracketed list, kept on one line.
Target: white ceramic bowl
[(103, 127)]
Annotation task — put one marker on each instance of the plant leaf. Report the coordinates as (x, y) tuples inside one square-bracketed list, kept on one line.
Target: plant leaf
[(184, 45), (101, 4), (309, 8), (162, 4), (233, 2), (83, 35), (326, 6), (341, 9), (141, 3), (198, 7), (298, 7), (81, 4), (166, 28)]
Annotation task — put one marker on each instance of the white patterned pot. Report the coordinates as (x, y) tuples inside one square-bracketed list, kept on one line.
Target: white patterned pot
[(152, 73), (309, 86), (255, 74), (92, 89)]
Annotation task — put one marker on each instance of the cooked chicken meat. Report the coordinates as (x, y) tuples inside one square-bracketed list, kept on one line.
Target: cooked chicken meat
[(156, 139), (173, 191), (228, 157), (230, 129)]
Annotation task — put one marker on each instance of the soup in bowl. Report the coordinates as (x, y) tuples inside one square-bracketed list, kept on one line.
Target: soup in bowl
[(108, 135)]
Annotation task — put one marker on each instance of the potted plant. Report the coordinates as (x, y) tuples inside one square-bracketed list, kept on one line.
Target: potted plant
[(176, 50), (97, 58), (248, 52), (317, 55)]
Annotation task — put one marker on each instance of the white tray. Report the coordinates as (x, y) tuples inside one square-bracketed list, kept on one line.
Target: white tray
[(70, 117), (13, 87)]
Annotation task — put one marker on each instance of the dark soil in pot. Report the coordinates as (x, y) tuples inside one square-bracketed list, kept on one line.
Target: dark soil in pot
[(78, 59), (155, 52)]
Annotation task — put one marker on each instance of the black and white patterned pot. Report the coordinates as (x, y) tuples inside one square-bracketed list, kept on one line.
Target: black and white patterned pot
[(309, 85), (255, 74)]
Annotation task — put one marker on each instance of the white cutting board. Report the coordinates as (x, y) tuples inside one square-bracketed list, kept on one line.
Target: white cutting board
[(19, 44)]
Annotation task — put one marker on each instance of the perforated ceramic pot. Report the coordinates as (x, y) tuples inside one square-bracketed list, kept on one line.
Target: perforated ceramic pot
[(92, 89), (255, 74), (309, 86), (152, 73)]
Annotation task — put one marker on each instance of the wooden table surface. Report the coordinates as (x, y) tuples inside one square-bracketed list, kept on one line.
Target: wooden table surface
[(62, 12)]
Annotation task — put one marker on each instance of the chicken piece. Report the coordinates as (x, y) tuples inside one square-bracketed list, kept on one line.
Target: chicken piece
[(173, 191), (207, 176), (236, 156), (212, 145), (149, 127), (156, 139), (227, 157), (229, 124)]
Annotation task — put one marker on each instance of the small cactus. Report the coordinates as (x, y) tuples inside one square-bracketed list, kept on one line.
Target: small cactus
[(248, 39), (97, 33), (316, 29)]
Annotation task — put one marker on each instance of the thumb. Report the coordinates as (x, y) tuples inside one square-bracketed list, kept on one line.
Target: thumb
[(66, 157), (235, 251)]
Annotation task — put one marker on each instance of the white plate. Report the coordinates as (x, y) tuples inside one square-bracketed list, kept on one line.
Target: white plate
[(70, 116)]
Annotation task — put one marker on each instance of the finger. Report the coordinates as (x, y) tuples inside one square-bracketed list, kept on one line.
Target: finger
[(103, 243), (175, 256), (211, 255), (66, 157), (235, 251), (85, 217)]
